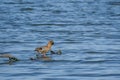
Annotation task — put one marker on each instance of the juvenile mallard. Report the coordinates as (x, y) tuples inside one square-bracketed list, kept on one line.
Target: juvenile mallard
[(59, 52), (11, 58), (44, 49)]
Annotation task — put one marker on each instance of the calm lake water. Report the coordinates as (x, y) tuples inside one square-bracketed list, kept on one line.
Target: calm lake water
[(87, 32)]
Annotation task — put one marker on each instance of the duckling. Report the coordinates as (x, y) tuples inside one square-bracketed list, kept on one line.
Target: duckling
[(59, 52), (11, 58), (44, 49)]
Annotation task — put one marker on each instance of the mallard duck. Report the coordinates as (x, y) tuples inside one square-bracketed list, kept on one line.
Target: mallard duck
[(11, 58), (44, 49)]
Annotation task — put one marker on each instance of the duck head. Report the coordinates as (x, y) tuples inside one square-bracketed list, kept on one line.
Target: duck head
[(51, 42)]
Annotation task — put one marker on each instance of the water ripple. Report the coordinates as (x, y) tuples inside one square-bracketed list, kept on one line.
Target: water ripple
[(86, 31)]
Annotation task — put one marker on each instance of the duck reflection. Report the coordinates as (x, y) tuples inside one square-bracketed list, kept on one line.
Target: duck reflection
[(46, 58)]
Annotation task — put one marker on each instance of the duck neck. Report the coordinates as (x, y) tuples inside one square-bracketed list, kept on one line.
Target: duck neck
[(49, 45)]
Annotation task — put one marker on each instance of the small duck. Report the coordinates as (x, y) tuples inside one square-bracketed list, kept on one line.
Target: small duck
[(11, 58), (44, 49), (59, 52)]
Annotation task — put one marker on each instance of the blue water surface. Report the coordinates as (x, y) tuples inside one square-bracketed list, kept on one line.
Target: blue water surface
[(86, 31)]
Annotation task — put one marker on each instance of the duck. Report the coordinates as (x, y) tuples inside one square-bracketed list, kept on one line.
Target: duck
[(59, 52), (11, 58), (44, 49)]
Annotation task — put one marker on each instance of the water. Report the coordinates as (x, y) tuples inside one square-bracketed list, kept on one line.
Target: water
[(87, 32)]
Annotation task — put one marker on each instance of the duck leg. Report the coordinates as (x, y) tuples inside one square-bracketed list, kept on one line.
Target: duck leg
[(38, 55), (44, 55)]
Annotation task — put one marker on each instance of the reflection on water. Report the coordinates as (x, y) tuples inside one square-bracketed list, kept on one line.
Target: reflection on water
[(86, 31)]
